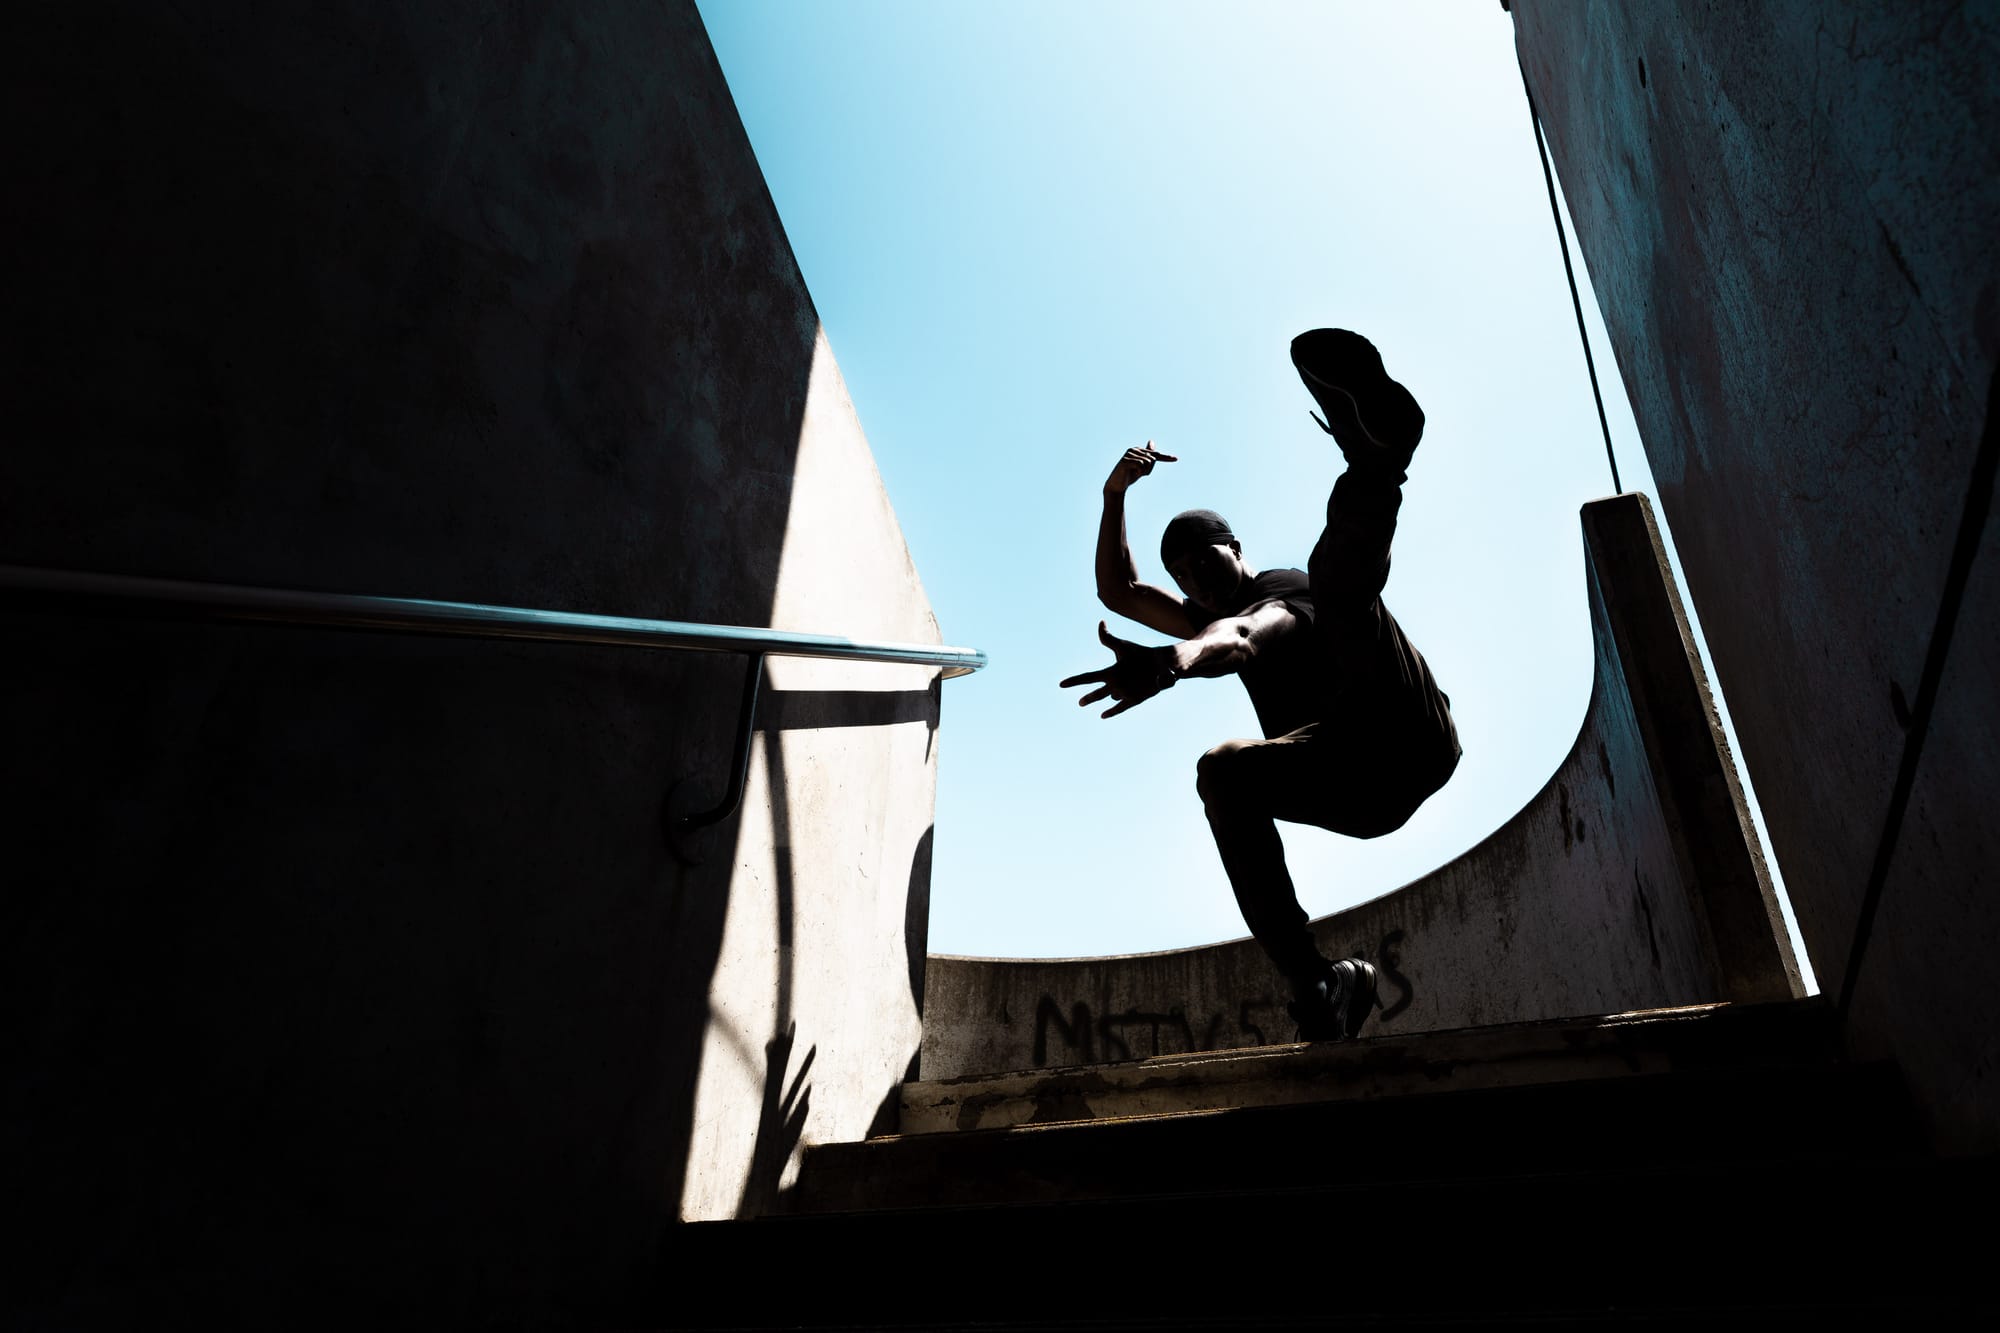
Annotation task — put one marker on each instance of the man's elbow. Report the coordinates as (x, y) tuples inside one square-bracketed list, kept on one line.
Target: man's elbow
[(1117, 597), (1260, 629)]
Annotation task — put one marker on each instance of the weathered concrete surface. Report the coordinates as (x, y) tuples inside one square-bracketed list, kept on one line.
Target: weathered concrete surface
[(1705, 1037), (1849, 1115), (1788, 214), (349, 977), (1630, 881)]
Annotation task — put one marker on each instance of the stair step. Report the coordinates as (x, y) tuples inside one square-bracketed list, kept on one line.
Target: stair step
[(1665, 1246), (1644, 1121), (1651, 1168), (1655, 1041)]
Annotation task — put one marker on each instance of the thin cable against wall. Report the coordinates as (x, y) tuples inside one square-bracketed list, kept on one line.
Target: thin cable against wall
[(1548, 178)]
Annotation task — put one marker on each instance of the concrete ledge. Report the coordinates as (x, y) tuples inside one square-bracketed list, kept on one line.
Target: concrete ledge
[(1658, 1041)]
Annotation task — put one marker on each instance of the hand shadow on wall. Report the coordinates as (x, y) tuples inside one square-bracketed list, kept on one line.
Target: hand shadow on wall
[(781, 1121)]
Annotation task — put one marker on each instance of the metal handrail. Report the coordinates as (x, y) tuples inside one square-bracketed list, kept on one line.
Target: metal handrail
[(413, 615), (63, 589)]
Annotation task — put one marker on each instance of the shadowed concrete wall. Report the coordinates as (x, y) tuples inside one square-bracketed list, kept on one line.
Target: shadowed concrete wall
[(1631, 880), (350, 977), (1788, 213)]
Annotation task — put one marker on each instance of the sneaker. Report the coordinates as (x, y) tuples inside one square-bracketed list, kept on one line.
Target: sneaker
[(1368, 414), (1334, 1007), (1318, 1018), (1360, 987)]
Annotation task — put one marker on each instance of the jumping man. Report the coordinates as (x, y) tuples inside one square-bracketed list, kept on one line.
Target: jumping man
[(1357, 734)]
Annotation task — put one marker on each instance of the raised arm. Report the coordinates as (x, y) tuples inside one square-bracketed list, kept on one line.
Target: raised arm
[(1118, 585)]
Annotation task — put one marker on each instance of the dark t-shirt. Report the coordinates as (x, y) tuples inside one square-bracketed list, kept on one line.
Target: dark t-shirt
[(1287, 681)]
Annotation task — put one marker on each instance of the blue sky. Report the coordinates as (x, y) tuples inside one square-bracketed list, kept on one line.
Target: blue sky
[(1040, 233)]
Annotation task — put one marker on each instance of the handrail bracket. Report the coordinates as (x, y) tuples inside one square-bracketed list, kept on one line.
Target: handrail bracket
[(687, 833)]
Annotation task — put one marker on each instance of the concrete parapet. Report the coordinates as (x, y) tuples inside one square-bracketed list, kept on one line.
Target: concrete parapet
[(1704, 1037)]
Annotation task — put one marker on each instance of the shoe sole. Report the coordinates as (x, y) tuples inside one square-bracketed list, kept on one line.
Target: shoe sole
[(1337, 361)]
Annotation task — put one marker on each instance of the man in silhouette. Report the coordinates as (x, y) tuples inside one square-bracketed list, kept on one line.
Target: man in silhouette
[(1357, 734)]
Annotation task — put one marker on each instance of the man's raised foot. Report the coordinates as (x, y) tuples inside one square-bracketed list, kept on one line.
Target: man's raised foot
[(1372, 417)]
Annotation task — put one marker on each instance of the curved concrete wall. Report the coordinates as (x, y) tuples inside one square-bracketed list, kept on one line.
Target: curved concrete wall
[(1788, 212), (1631, 880), (349, 977)]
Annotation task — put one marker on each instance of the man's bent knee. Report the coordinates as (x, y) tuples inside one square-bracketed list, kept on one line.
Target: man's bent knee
[(1214, 773)]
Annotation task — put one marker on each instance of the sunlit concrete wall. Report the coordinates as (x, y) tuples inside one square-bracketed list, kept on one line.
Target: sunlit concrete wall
[(813, 1008), (350, 977), (1788, 210), (1631, 880)]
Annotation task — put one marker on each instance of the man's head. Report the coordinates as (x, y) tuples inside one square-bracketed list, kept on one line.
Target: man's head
[(1206, 560)]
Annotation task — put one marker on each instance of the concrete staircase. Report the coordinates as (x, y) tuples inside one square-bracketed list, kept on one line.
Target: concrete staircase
[(1648, 1166)]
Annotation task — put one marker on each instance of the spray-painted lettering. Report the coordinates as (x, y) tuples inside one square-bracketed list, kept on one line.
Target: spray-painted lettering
[(1076, 1035)]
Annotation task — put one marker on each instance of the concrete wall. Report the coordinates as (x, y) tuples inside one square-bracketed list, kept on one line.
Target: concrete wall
[(1788, 209), (1631, 880), (349, 977)]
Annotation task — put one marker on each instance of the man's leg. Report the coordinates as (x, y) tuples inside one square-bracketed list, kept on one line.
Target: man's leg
[(1245, 787), (1377, 424)]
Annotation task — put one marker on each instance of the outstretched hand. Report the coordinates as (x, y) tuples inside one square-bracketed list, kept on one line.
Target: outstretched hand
[(1138, 674), (1135, 464)]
